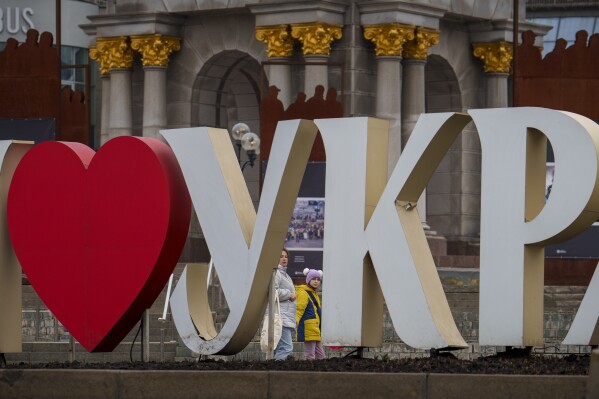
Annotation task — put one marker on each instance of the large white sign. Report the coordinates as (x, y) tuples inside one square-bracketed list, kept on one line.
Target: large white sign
[(245, 246), (375, 247)]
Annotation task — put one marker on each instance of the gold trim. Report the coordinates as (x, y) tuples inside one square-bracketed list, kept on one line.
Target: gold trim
[(155, 49), (316, 37), (389, 39), (417, 48), (101, 57), (277, 38), (497, 56), (117, 49)]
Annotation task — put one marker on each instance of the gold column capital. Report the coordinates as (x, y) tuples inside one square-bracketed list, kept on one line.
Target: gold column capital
[(316, 37), (101, 57), (118, 51), (389, 39), (277, 38), (155, 49), (417, 48), (497, 56)]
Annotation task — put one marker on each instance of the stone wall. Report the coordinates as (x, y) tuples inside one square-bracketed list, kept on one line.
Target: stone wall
[(561, 304), (45, 339)]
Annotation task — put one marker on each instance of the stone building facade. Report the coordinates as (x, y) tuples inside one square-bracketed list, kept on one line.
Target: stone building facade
[(172, 64)]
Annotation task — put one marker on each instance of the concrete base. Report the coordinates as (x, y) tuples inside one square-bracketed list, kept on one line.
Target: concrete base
[(104, 384)]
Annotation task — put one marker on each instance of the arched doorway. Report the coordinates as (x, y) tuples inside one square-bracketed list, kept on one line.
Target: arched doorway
[(227, 91), (453, 194)]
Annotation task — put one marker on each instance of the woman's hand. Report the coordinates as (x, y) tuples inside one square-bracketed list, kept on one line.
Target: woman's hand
[(292, 297)]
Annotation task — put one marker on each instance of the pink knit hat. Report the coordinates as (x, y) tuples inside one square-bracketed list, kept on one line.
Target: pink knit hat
[(311, 274)]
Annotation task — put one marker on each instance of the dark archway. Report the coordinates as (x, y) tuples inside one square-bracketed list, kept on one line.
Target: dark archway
[(453, 194), (226, 91)]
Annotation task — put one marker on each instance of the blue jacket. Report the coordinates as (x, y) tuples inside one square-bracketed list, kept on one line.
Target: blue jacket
[(307, 316)]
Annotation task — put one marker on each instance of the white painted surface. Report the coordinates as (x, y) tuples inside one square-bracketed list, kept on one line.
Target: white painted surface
[(393, 237), (181, 317), (572, 206), (244, 271), (401, 273)]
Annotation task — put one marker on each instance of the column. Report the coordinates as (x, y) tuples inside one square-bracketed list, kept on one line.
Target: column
[(102, 59), (279, 48), (389, 40), (413, 104), (120, 62), (316, 39), (497, 58), (155, 51)]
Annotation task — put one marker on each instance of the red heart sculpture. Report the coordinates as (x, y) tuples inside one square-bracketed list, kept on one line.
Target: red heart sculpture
[(99, 234)]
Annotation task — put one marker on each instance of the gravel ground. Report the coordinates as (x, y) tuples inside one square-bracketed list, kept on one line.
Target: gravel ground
[(533, 364)]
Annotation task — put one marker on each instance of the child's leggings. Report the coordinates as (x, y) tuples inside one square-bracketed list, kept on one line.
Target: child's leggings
[(313, 350)]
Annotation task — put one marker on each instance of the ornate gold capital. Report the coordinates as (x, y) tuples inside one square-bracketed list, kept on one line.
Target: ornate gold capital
[(277, 39), (497, 56), (389, 39), (155, 49), (417, 48), (316, 37), (101, 57), (119, 54)]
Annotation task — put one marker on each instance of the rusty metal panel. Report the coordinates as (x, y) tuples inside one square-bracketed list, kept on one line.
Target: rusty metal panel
[(30, 87), (566, 79)]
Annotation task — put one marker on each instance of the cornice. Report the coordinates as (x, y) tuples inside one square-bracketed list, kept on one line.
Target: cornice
[(404, 12), (134, 24), (331, 12)]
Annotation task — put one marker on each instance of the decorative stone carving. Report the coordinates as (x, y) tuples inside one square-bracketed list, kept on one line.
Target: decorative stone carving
[(155, 49), (497, 56), (277, 38), (389, 39), (101, 57), (116, 50), (316, 37), (417, 48)]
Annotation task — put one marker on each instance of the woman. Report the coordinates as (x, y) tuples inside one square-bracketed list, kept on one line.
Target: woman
[(286, 292)]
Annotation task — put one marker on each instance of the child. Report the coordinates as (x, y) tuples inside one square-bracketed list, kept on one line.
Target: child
[(307, 315)]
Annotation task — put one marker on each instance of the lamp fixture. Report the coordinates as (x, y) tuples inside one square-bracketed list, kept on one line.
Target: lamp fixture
[(249, 141)]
